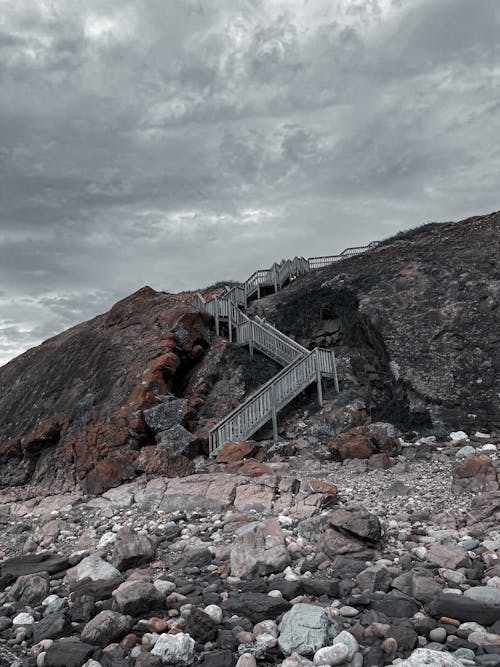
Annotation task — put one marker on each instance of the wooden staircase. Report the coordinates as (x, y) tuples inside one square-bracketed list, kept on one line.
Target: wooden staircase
[(301, 366)]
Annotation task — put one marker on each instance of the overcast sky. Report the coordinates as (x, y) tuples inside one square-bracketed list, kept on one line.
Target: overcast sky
[(178, 142)]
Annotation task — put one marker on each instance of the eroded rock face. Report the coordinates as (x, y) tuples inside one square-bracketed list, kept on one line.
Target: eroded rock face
[(71, 410), (414, 323)]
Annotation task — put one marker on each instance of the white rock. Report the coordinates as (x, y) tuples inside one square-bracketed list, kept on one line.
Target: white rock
[(23, 619), (296, 660), (488, 447), (176, 649), (348, 640), (106, 539), (285, 521), (275, 593), (49, 599), (457, 436), (332, 655), (215, 613), (424, 657), (95, 568), (164, 587), (290, 574)]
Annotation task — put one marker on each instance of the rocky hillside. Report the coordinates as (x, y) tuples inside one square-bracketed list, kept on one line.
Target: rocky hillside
[(72, 409), (416, 323)]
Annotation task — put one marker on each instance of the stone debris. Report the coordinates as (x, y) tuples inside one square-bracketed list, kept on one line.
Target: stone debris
[(220, 568)]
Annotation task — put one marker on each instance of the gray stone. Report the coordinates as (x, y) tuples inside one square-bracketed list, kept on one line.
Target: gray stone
[(259, 549), (348, 640), (137, 597), (106, 628), (30, 589), (131, 549), (176, 439), (95, 568), (449, 557), (52, 626), (332, 655), (465, 452), (423, 657), (175, 649), (419, 584), (486, 594), (305, 629), (164, 416)]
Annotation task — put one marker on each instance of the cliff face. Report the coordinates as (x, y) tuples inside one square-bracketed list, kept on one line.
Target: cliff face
[(417, 322), (78, 398)]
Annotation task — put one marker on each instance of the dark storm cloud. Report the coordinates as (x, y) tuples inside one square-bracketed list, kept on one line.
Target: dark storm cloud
[(175, 143)]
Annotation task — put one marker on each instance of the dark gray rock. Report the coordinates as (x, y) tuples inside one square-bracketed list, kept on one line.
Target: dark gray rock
[(200, 626), (464, 609), (106, 628), (131, 549), (69, 652), (178, 440), (357, 521), (164, 416), (218, 659), (255, 606), (148, 660), (418, 583), (53, 626), (137, 597), (44, 562), (30, 589)]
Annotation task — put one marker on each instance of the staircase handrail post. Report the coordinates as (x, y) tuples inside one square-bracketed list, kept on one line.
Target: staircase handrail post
[(318, 377)]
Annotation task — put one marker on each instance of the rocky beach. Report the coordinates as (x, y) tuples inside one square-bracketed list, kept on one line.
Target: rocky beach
[(367, 535)]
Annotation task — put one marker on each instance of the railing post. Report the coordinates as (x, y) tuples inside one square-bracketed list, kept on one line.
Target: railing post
[(335, 376), (274, 414), (250, 339), (318, 380), (217, 323), (275, 280), (230, 321)]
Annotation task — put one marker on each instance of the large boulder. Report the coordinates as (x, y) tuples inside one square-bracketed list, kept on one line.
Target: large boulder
[(136, 597), (105, 628), (259, 549), (164, 416), (30, 589), (131, 549), (475, 473), (306, 628)]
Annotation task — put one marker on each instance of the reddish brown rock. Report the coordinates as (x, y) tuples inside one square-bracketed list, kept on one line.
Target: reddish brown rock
[(353, 444), (234, 451), (249, 468), (163, 463), (319, 486), (108, 473), (71, 408), (475, 474)]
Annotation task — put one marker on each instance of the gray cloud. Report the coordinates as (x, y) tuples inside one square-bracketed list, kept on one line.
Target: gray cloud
[(177, 143)]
